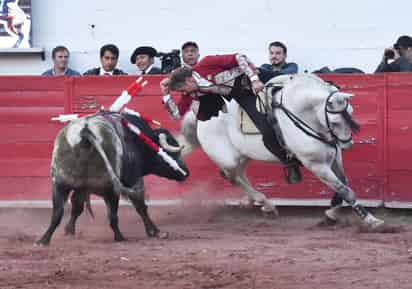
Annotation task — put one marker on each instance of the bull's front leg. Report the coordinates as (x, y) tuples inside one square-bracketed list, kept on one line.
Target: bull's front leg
[(60, 195), (139, 204), (111, 200)]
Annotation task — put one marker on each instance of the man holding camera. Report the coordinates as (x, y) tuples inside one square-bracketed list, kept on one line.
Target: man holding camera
[(143, 57), (398, 58)]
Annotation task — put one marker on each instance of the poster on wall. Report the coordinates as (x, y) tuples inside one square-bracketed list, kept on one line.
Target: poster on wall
[(15, 24)]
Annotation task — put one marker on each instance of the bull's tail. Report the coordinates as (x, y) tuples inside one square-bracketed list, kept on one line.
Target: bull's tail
[(118, 187)]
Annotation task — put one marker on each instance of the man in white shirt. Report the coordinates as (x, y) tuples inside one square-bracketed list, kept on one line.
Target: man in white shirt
[(143, 58), (109, 55), (190, 53)]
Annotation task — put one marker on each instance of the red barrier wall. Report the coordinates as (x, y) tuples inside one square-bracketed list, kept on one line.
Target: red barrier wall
[(377, 166)]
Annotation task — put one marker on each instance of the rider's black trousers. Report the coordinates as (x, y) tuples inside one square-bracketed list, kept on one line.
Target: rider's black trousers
[(244, 95)]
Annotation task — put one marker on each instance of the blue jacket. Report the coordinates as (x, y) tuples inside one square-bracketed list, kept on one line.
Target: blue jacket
[(399, 65), (69, 72), (267, 72)]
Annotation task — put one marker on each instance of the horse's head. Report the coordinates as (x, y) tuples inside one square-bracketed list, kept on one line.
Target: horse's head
[(335, 114), (322, 108)]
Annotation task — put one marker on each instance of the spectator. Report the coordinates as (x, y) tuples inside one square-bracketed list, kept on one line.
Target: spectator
[(278, 64), (60, 57), (109, 55), (143, 57), (190, 53), (398, 58)]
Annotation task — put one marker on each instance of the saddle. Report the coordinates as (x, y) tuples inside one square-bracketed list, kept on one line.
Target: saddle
[(263, 102)]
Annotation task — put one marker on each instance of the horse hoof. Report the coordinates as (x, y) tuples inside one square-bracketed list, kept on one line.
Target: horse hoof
[(270, 210), (372, 222), (246, 203), (163, 235), (332, 214)]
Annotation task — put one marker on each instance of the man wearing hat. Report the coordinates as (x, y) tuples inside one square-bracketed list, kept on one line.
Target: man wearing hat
[(398, 58), (143, 57), (190, 53)]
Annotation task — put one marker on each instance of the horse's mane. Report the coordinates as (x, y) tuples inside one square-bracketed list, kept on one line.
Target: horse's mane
[(309, 81)]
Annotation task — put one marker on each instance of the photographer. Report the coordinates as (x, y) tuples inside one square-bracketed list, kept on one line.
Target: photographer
[(169, 60), (143, 57), (398, 58)]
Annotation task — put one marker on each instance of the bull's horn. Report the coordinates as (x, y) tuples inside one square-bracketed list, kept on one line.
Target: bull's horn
[(170, 148)]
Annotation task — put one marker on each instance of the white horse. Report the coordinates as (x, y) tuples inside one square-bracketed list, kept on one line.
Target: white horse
[(315, 119)]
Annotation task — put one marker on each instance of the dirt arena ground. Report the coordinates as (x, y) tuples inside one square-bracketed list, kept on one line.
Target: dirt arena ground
[(208, 247)]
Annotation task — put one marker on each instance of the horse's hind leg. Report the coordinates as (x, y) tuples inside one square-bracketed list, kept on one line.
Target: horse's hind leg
[(256, 196), (327, 176), (253, 196)]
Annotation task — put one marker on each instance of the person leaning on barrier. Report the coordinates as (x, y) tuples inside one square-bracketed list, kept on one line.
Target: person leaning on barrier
[(109, 56), (397, 58), (60, 57), (143, 58), (278, 64)]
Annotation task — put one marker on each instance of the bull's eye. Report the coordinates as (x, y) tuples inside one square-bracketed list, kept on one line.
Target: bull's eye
[(341, 102)]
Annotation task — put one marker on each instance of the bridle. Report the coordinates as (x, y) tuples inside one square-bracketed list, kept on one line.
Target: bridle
[(343, 111), (307, 129)]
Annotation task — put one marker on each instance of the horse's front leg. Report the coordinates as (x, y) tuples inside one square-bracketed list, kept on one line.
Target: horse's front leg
[(333, 214), (327, 176)]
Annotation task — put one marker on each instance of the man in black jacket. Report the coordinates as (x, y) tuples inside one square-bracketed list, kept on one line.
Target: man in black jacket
[(143, 58), (109, 55), (398, 58)]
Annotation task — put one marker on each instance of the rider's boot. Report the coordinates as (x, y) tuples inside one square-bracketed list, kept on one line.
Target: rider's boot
[(291, 169), (292, 172)]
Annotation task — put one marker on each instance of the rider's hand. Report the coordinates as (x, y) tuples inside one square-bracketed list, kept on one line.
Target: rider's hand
[(164, 86), (257, 86)]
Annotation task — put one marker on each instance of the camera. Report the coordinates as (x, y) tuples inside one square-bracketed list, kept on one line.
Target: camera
[(389, 54), (170, 60)]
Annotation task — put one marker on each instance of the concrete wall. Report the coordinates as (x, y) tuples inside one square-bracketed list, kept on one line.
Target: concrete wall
[(317, 32)]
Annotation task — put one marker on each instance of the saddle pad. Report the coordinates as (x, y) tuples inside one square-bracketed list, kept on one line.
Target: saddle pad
[(263, 100), (246, 124)]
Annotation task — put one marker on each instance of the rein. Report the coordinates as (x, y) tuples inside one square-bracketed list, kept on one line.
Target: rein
[(306, 128)]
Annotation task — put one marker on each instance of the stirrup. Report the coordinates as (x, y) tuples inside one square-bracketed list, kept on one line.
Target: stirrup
[(292, 173)]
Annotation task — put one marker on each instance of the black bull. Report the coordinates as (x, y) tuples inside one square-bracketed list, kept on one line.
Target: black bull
[(97, 154)]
